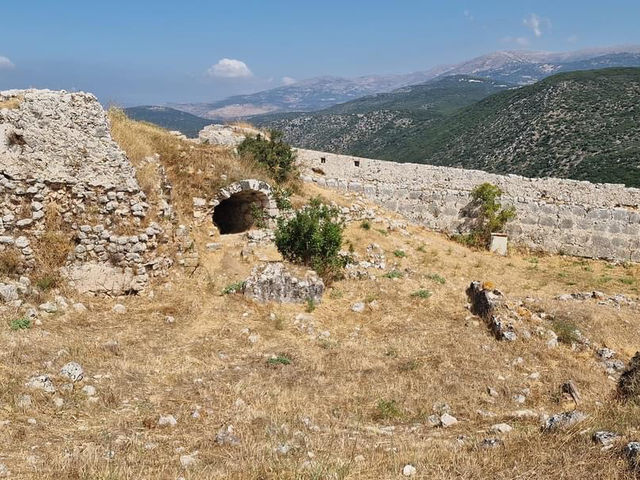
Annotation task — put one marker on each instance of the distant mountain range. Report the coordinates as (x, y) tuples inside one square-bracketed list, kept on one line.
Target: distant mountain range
[(512, 67)]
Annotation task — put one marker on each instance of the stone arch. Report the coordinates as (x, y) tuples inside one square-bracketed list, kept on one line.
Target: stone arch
[(232, 208)]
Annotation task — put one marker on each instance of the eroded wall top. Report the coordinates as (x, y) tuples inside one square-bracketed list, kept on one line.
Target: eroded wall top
[(57, 137)]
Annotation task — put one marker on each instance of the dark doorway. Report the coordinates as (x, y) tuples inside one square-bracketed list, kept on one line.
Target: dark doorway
[(239, 212)]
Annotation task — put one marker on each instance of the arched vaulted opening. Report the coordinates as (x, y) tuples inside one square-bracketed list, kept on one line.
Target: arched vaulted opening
[(243, 205)]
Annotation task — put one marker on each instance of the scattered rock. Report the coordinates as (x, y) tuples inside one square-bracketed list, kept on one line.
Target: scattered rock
[(501, 428), (629, 383), (225, 436), (632, 452), (358, 307), (491, 443), (278, 283), (187, 461), (119, 308), (41, 382), (4, 471), (167, 421), (605, 438), (562, 421), (79, 307), (409, 470), (73, 371), (23, 401), (89, 390), (447, 420), (49, 307)]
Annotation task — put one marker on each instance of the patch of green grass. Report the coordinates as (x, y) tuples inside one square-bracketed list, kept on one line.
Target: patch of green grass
[(20, 324), (421, 248), (279, 360), (336, 293), (393, 274), (409, 365), (399, 253), (234, 287), (604, 279), (278, 322), (626, 280), (365, 225), (382, 231), (311, 305), (566, 330), (47, 282), (387, 409), (533, 260), (422, 293), (436, 278)]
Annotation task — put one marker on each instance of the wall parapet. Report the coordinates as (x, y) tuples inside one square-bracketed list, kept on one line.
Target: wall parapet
[(553, 215)]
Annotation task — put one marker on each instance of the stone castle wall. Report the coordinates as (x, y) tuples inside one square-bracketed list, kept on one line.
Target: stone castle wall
[(553, 215), (60, 166)]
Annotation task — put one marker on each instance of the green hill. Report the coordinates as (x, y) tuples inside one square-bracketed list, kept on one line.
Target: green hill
[(582, 125), (169, 118)]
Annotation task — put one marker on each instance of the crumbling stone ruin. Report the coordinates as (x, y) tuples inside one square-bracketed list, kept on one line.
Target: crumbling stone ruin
[(59, 165), (226, 135), (275, 282)]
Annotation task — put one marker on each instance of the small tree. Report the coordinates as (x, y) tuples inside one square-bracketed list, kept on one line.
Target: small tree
[(274, 153), (490, 217), (313, 237)]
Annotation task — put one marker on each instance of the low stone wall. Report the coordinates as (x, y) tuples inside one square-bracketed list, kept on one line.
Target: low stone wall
[(553, 215)]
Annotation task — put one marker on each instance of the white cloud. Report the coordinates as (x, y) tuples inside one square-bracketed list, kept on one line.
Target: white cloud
[(288, 80), (5, 63), (230, 68), (537, 24), (468, 15), (520, 41), (572, 39)]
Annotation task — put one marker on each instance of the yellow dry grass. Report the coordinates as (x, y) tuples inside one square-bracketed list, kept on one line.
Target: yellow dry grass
[(328, 403), (354, 401), (12, 103), (193, 170)]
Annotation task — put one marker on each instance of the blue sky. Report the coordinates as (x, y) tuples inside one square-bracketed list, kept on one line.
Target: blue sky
[(139, 52)]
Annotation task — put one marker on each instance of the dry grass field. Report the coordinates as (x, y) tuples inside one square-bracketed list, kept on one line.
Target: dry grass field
[(323, 394)]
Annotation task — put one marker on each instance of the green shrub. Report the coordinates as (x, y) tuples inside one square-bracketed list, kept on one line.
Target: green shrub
[(282, 196), (365, 225), (259, 215), (489, 215), (566, 331), (436, 278), (274, 153), (311, 305), (422, 293), (234, 287), (20, 323), (399, 253), (393, 274), (279, 360), (313, 237), (387, 409)]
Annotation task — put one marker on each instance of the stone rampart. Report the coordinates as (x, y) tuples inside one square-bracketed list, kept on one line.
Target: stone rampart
[(553, 215)]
